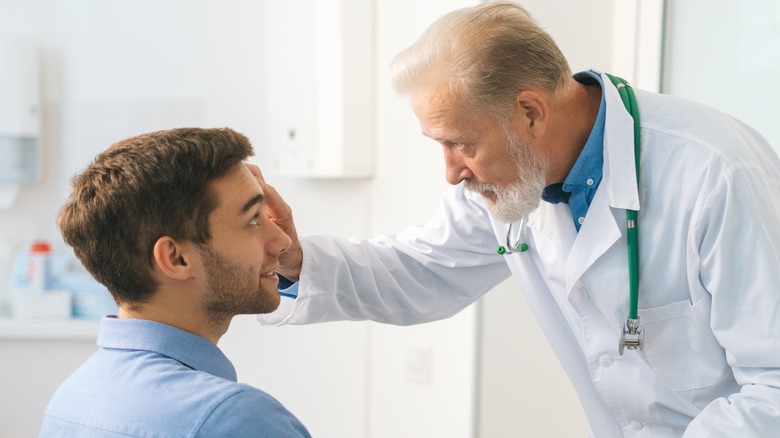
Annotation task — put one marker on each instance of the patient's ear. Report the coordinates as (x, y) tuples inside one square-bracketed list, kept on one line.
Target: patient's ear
[(172, 258)]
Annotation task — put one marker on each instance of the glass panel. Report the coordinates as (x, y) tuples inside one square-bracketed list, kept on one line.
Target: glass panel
[(726, 53)]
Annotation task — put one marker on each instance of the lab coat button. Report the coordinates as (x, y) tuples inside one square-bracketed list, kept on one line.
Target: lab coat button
[(605, 361), (636, 425)]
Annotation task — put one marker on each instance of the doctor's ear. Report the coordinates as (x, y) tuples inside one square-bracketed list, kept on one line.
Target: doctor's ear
[(172, 258), (531, 113)]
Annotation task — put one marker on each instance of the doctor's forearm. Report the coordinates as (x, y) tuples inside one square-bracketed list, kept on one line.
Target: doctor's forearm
[(358, 279)]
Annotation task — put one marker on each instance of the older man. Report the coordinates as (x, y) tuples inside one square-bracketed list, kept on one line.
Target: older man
[(554, 175)]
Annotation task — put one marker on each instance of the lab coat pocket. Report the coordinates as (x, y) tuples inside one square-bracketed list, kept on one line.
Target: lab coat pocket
[(680, 345)]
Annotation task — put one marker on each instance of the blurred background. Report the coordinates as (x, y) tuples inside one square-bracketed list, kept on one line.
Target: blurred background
[(307, 82)]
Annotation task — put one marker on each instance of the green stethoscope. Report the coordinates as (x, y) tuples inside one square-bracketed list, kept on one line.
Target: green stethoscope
[(631, 336)]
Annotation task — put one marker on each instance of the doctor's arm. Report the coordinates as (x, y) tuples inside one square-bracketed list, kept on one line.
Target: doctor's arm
[(738, 243), (423, 274)]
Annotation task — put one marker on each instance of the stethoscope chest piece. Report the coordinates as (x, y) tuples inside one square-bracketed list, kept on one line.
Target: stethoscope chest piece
[(631, 336)]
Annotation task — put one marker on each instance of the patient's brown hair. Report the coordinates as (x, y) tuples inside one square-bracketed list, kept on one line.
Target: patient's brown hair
[(140, 189)]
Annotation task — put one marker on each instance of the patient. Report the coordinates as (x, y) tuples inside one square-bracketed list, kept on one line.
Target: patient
[(171, 222)]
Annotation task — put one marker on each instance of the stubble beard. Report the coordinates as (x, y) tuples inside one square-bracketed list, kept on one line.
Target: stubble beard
[(235, 289)]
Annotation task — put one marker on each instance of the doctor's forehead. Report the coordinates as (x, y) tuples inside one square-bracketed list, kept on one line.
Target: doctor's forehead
[(441, 133), (450, 123)]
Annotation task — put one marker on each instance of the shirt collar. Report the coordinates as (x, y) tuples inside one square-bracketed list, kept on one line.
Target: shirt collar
[(554, 194), (190, 349), (589, 165), (590, 162)]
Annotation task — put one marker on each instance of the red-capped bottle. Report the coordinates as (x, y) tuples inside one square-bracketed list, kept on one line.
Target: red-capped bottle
[(39, 265)]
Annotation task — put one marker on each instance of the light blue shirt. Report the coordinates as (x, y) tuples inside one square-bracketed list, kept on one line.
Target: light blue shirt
[(152, 380)]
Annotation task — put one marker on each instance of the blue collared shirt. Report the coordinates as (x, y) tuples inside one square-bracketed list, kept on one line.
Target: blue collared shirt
[(580, 185), (151, 379)]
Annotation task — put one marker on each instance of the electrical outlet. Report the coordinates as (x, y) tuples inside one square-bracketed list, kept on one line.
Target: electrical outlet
[(419, 363)]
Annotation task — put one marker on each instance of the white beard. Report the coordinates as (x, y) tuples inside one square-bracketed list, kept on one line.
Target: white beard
[(518, 200)]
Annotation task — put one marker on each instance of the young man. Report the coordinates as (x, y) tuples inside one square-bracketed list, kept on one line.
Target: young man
[(171, 222), (544, 168)]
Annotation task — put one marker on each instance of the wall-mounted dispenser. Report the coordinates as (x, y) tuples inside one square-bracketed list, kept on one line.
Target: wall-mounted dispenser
[(20, 115), (320, 88)]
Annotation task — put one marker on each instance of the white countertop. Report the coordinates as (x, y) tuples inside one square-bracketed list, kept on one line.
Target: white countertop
[(48, 330)]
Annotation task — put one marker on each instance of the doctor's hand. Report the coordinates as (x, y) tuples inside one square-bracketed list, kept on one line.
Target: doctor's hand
[(281, 214)]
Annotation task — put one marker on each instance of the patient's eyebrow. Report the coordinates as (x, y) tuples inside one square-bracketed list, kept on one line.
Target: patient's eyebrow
[(258, 199)]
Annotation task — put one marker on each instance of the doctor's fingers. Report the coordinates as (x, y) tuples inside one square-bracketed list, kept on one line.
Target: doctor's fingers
[(280, 214), (275, 207), (255, 169)]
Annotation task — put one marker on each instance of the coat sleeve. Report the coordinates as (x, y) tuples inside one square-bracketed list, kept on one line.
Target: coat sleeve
[(422, 274), (738, 245)]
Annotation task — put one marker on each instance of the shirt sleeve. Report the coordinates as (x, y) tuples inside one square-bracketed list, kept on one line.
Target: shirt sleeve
[(288, 288), (738, 245), (252, 413)]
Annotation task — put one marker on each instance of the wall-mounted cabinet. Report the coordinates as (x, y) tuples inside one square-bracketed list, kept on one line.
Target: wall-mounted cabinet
[(320, 88), (20, 118)]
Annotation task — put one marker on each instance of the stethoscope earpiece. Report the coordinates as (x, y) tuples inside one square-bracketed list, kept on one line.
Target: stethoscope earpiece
[(523, 247)]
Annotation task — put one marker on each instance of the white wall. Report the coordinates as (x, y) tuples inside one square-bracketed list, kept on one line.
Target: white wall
[(29, 372), (410, 163), (113, 69)]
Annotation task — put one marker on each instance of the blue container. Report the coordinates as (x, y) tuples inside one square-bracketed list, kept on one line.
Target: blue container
[(91, 299)]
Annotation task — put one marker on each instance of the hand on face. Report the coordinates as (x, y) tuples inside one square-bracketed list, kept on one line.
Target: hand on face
[(281, 214)]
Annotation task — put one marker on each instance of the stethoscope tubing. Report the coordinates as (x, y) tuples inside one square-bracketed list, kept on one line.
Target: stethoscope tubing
[(632, 216)]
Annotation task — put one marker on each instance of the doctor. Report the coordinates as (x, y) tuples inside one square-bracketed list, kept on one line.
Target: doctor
[(524, 139)]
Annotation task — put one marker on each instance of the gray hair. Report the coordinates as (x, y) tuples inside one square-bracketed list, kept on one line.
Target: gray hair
[(487, 54)]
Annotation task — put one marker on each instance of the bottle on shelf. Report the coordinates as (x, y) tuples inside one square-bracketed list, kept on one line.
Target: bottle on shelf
[(39, 272)]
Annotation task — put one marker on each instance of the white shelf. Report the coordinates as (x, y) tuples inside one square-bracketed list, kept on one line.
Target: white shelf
[(65, 330)]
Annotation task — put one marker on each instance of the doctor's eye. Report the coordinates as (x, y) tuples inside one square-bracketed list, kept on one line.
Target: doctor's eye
[(255, 219)]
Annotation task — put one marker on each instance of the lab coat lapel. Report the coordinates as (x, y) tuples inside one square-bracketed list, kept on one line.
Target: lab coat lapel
[(618, 189), (599, 232), (619, 176)]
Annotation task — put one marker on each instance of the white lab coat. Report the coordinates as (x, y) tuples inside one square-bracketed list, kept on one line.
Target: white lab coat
[(710, 276)]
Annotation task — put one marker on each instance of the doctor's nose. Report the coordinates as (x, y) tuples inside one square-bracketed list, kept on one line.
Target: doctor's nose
[(456, 169)]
